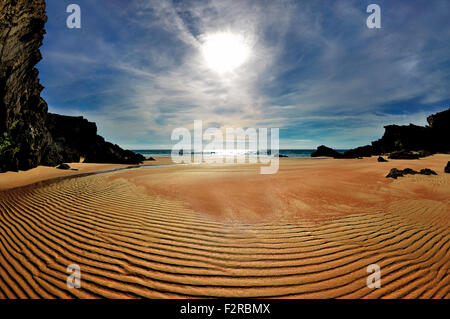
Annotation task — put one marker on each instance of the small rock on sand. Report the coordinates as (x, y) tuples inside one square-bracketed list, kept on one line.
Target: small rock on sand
[(63, 166)]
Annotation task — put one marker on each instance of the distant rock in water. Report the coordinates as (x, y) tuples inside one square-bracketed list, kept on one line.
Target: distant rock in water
[(29, 136), (381, 159), (447, 168), (326, 151), (150, 159), (405, 142)]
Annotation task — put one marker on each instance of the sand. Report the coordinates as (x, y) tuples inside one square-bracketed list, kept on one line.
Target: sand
[(11, 180), (309, 231)]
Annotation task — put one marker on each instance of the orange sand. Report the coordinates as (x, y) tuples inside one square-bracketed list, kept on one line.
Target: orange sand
[(309, 231), (10, 180)]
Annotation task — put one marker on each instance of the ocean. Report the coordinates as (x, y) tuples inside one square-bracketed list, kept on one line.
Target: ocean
[(286, 152)]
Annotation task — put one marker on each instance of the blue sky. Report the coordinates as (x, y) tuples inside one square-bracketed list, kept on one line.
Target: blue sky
[(315, 70)]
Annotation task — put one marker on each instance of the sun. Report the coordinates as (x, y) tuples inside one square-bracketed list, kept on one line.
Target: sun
[(225, 52)]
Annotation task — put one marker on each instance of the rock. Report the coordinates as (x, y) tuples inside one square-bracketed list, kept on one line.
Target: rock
[(394, 173), (76, 137), (29, 136), (422, 140), (427, 171), (63, 166), (362, 151), (381, 159), (423, 153), (24, 140), (408, 155), (326, 151), (409, 171), (447, 168), (439, 125), (281, 155), (150, 158)]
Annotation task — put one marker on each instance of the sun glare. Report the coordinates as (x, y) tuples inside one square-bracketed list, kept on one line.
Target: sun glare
[(225, 52)]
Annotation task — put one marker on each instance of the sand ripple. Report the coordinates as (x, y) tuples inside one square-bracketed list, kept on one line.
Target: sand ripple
[(131, 245)]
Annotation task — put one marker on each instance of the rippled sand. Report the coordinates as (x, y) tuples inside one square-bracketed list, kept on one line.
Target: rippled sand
[(309, 231)]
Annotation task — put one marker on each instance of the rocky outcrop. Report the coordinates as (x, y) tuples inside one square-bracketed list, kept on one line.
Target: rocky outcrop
[(322, 150), (447, 168), (407, 141), (396, 173), (362, 151), (76, 138), (25, 138), (381, 159), (408, 155)]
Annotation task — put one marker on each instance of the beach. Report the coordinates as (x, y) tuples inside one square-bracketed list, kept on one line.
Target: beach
[(216, 230)]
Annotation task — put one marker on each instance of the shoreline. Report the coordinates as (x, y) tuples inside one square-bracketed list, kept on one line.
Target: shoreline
[(47, 174)]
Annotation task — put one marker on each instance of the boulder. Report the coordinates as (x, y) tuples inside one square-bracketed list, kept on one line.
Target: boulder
[(403, 154), (362, 151), (63, 166), (427, 171), (447, 168), (409, 171), (394, 173), (381, 159), (326, 151)]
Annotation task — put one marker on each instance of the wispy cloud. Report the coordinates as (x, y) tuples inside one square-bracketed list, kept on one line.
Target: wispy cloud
[(316, 70)]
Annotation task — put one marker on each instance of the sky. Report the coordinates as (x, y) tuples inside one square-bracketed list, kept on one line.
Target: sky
[(313, 69)]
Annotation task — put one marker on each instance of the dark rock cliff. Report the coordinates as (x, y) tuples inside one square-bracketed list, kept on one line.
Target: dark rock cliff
[(25, 139), (400, 141), (76, 137)]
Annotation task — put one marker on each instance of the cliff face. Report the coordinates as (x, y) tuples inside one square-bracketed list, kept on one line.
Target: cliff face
[(25, 138), (433, 138), (76, 137), (426, 140)]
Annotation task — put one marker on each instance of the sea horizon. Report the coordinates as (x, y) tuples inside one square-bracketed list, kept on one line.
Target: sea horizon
[(284, 152)]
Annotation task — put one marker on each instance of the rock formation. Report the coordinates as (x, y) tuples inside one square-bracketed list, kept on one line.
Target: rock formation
[(25, 139), (322, 150), (447, 168), (395, 173), (76, 137), (405, 142)]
